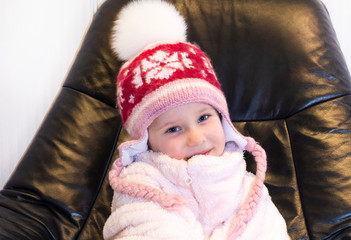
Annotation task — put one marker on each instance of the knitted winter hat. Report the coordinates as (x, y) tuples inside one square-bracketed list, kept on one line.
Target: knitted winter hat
[(164, 71)]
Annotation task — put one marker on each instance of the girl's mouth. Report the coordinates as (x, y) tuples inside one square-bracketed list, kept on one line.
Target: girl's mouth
[(205, 152)]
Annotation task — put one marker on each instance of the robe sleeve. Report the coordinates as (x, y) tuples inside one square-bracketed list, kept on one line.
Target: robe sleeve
[(135, 218)]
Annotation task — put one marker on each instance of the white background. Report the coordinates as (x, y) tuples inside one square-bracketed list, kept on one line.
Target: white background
[(39, 40)]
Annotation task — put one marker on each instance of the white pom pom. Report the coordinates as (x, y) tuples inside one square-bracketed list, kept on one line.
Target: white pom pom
[(145, 22)]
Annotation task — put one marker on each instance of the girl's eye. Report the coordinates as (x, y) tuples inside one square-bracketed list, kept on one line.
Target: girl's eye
[(203, 118), (173, 130)]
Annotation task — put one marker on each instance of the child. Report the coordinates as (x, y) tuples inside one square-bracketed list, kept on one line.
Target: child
[(183, 175)]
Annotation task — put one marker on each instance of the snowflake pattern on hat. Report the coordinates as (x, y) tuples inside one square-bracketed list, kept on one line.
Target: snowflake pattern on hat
[(158, 66)]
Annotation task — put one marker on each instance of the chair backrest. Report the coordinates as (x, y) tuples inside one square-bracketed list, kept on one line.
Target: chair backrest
[(286, 83)]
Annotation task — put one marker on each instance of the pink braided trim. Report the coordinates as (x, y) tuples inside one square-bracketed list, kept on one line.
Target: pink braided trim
[(167, 201), (238, 223)]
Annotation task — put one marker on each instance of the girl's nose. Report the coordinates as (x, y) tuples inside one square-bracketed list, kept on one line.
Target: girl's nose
[(195, 137)]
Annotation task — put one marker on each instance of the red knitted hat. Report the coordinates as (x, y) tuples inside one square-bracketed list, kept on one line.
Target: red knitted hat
[(163, 71), (163, 77)]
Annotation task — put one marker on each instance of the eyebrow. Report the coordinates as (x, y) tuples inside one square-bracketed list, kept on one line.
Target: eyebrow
[(206, 108), (167, 124), (172, 123)]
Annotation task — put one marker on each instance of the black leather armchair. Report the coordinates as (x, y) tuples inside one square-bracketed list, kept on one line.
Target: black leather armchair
[(287, 86)]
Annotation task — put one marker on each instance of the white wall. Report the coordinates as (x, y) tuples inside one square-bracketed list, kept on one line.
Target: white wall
[(39, 40), (339, 11)]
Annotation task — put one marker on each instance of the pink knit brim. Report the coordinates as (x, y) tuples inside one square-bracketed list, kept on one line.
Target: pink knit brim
[(171, 95)]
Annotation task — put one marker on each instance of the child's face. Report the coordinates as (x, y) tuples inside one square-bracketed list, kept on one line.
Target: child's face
[(188, 130)]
